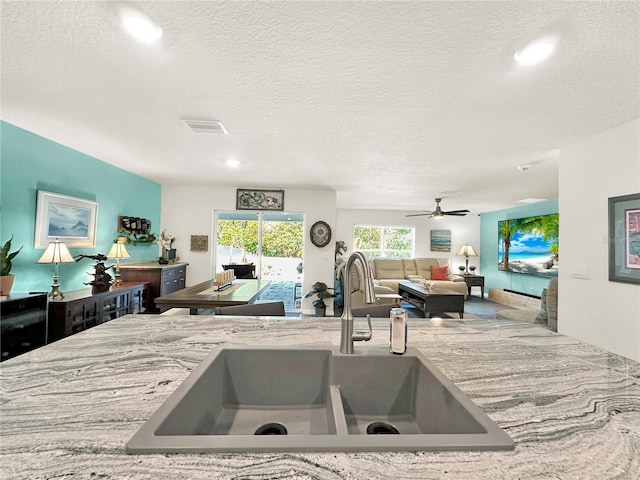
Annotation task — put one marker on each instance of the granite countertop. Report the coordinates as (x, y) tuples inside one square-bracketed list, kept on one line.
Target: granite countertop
[(67, 409)]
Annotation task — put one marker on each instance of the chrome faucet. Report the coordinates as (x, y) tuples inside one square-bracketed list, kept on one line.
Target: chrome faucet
[(347, 336)]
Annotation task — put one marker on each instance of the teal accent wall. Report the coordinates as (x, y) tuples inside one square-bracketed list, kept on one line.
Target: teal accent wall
[(29, 163), (494, 278)]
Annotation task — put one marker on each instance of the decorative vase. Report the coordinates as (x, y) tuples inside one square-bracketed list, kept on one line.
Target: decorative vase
[(6, 284), (321, 312)]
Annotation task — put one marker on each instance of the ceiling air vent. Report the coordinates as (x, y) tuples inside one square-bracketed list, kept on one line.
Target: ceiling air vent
[(205, 127)]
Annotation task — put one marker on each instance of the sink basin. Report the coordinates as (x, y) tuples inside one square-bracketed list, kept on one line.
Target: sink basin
[(262, 399)]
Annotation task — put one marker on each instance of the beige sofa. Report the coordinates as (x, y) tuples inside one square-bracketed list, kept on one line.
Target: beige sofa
[(387, 272)]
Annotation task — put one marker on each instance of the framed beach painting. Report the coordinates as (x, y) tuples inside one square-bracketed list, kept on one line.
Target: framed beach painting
[(624, 238), (440, 240), (72, 220)]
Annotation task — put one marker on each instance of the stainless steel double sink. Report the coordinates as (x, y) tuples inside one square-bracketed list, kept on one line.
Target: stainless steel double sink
[(265, 399)]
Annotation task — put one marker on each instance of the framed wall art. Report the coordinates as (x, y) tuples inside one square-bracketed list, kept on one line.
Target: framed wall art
[(440, 240), (259, 199), (199, 243), (72, 220), (624, 238)]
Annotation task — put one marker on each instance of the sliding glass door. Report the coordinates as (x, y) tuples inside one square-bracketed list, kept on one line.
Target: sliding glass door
[(271, 241)]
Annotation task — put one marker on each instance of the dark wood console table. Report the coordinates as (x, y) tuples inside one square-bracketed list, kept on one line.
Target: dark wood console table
[(82, 309)]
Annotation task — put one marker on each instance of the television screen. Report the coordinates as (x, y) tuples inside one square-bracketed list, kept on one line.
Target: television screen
[(529, 245)]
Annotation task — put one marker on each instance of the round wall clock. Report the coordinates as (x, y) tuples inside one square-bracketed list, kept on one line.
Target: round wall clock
[(320, 234)]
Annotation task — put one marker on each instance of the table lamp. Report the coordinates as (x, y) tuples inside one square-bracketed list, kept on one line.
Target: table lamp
[(56, 253), (118, 251), (467, 250)]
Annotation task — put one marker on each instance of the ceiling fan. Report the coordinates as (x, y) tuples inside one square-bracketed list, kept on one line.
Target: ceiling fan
[(438, 213)]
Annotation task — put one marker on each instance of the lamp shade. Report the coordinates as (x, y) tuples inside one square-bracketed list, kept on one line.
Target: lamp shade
[(467, 250), (56, 252), (118, 251)]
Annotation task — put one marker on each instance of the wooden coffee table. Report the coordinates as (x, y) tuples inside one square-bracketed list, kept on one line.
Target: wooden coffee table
[(434, 301)]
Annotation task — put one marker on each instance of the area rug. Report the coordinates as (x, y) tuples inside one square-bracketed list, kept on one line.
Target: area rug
[(474, 308)]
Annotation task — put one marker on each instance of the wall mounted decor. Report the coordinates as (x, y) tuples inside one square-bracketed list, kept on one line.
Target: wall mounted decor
[(624, 238), (199, 243), (259, 199), (136, 230), (72, 220), (440, 240), (320, 234)]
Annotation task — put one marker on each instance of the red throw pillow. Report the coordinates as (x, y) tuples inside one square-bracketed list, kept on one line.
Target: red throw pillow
[(372, 271), (439, 273)]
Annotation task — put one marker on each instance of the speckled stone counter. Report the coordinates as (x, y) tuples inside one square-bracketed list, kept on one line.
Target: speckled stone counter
[(69, 408)]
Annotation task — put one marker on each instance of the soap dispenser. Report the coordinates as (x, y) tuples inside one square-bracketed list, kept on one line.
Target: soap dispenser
[(398, 330)]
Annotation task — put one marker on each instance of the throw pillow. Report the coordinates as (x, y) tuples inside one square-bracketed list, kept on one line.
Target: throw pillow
[(541, 317), (439, 273), (372, 271)]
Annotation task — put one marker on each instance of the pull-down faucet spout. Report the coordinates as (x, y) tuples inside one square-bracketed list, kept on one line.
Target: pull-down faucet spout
[(347, 337)]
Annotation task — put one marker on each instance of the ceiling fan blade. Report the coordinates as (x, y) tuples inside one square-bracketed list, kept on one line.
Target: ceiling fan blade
[(419, 214), (453, 212)]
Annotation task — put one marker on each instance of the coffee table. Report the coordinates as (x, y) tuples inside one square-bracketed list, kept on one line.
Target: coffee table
[(201, 296), (432, 301)]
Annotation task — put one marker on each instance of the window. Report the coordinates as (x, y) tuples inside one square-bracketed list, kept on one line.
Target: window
[(384, 241)]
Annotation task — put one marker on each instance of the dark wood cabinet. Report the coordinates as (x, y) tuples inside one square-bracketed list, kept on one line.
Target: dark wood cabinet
[(82, 309), (161, 279), (23, 323)]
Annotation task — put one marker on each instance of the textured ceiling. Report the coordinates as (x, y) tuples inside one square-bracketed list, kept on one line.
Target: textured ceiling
[(387, 103)]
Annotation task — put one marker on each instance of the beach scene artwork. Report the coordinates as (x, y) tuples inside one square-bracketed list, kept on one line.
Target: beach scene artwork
[(529, 245), (440, 240)]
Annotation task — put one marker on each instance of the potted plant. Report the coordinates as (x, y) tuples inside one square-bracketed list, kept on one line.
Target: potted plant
[(6, 279), (321, 290)]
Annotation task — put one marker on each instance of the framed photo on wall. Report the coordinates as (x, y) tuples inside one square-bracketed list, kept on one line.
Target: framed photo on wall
[(624, 238), (72, 220), (247, 199)]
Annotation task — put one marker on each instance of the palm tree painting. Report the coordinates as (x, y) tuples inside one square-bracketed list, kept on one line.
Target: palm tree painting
[(529, 245)]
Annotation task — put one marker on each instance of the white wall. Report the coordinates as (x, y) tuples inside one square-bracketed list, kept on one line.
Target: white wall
[(595, 310), (189, 210), (463, 230)]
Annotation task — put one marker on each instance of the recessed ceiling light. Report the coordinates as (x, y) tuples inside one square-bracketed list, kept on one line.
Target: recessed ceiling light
[(139, 26), (534, 52), (233, 163)]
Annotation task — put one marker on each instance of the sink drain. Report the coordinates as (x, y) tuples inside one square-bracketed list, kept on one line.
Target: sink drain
[(381, 428), (271, 429)]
